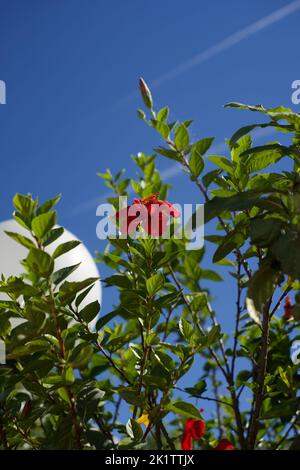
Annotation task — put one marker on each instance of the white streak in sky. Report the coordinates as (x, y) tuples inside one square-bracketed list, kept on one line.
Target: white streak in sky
[(198, 59), (221, 46)]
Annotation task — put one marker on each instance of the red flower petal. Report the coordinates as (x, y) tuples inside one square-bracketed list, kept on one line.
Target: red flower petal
[(224, 444), (198, 429), (187, 442), (154, 217), (288, 308)]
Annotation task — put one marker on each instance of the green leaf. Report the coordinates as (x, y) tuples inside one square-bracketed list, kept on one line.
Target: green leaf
[(81, 355), (141, 114), (40, 262), (62, 392), (65, 247), (232, 240), (162, 129), (259, 107), (201, 146), (5, 325), (183, 408), (261, 286), (134, 430), (155, 381), (263, 232), (281, 410), (130, 396), (126, 443), (198, 390), (258, 158), (222, 162), (63, 273), (88, 400), (240, 147), (47, 205), (105, 319), (238, 202), (154, 284), (69, 375), (24, 205), (68, 290), (53, 235), (43, 223), (163, 114), (211, 275), (90, 311), (17, 287), (286, 251), (172, 154), (82, 296), (21, 239), (246, 129), (213, 335), (186, 329), (209, 177), (182, 138), (242, 377), (119, 280), (196, 164)]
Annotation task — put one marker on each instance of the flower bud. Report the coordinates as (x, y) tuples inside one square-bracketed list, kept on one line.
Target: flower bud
[(146, 93)]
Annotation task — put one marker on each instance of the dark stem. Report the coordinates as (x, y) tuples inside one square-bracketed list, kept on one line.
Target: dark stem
[(260, 377), (105, 430), (167, 437), (238, 316), (72, 407), (112, 363)]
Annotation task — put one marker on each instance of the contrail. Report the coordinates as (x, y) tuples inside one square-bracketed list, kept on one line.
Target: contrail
[(198, 59), (166, 174), (221, 46)]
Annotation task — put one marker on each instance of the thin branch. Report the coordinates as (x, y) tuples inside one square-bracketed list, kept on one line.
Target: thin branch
[(167, 437), (283, 295), (261, 372), (72, 407), (202, 332), (105, 430), (112, 363), (203, 191), (278, 444), (218, 407), (203, 397), (238, 316)]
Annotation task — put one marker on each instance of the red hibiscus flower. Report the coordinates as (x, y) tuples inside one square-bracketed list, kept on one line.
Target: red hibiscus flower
[(151, 213), (288, 308), (224, 444), (194, 429)]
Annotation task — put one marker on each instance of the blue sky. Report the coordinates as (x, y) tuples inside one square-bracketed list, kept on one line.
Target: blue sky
[(71, 69)]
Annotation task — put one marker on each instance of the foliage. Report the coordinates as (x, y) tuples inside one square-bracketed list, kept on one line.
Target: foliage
[(64, 383)]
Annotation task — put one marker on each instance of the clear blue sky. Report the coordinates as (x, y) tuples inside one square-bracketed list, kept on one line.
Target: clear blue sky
[(71, 69)]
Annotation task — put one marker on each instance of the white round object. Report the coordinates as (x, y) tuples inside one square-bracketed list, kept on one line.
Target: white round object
[(11, 253)]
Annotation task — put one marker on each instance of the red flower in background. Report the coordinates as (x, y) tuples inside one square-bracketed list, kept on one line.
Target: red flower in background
[(194, 429), (150, 212), (288, 308), (224, 444)]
